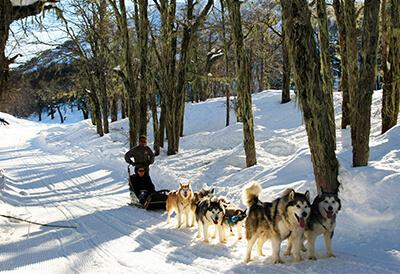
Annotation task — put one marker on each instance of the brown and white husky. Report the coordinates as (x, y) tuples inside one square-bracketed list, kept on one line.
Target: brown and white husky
[(180, 201)]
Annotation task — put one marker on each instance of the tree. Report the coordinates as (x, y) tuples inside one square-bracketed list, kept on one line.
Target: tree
[(344, 86), (350, 17), (390, 64), (173, 73), (142, 26), (314, 102), (327, 84), (8, 14), (243, 73), (128, 74), (361, 120), (286, 68)]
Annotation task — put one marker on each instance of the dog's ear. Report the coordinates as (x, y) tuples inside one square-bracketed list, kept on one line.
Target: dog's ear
[(291, 194), (340, 203), (307, 195), (212, 190), (180, 184)]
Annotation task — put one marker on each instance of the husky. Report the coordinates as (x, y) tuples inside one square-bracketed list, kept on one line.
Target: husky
[(285, 216), (180, 202), (322, 220), (197, 196), (234, 217), (210, 211)]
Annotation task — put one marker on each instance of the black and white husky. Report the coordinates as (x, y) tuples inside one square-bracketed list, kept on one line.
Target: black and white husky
[(210, 211), (322, 220), (285, 216)]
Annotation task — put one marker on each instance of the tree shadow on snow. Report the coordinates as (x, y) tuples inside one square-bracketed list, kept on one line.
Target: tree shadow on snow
[(93, 230)]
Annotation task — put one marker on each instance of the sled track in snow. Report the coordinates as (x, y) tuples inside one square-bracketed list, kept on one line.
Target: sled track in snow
[(114, 222)]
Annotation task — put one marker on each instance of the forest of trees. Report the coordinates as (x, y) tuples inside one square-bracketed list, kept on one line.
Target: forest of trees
[(145, 59)]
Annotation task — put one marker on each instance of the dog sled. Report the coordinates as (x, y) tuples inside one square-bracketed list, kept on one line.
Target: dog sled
[(149, 201)]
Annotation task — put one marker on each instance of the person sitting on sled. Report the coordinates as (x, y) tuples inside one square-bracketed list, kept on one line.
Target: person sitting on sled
[(140, 185), (142, 154)]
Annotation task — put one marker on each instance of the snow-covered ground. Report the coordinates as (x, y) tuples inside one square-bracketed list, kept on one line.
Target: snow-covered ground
[(67, 175)]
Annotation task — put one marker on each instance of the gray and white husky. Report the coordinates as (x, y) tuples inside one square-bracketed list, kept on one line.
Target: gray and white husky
[(322, 220), (285, 216), (210, 211)]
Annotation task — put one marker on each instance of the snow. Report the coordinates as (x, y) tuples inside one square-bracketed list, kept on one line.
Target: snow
[(67, 175), (23, 2)]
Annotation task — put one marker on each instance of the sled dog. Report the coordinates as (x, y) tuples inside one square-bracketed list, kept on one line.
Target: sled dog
[(198, 195), (322, 220), (210, 211), (285, 216), (180, 202), (234, 217)]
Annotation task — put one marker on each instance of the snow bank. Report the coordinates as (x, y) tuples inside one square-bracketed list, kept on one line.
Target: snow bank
[(87, 173)]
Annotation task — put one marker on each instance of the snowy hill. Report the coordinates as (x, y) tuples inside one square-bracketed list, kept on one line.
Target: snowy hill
[(66, 174)]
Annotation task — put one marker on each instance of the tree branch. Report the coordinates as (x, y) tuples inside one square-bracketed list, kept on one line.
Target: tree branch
[(21, 12)]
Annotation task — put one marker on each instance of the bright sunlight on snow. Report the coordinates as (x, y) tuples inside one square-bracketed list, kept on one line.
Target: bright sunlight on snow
[(68, 175)]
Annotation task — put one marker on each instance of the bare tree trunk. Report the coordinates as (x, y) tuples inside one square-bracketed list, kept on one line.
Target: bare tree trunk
[(243, 82), (352, 58), (313, 101), (96, 111), (226, 63), (286, 68), (326, 62), (161, 130), (124, 107), (102, 63), (143, 27), (153, 106), (104, 101), (5, 21), (114, 109), (391, 55), (60, 114), (362, 114), (339, 12)]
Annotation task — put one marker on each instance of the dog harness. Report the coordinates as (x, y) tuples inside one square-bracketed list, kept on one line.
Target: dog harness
[(232, 220)]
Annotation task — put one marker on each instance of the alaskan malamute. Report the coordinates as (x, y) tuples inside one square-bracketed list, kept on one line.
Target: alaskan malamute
[(197, 196), (322, 220), (285, 216), (210, 211)]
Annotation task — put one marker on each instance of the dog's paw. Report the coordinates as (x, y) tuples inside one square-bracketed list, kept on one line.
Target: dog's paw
[(330, 255), (312, 258), (277, 261), (247, 260)]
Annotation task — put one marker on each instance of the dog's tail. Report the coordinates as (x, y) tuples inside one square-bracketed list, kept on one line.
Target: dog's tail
[(250, 193)]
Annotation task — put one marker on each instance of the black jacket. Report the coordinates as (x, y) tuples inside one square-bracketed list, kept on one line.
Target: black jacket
[(137, 184)]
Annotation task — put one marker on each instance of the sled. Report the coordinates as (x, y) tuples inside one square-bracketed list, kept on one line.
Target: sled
[(156, 200)]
